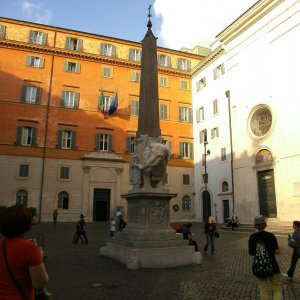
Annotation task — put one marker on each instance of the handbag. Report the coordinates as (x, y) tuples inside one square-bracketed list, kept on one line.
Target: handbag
[(42, 295), (217, 235)]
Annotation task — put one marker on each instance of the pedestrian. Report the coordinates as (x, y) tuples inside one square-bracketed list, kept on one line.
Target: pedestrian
[(210, 230), (294, 242), (54, 217), (112, 227), (21, 260), (187, 235), (122, 224), (81, 230), (263, 246)]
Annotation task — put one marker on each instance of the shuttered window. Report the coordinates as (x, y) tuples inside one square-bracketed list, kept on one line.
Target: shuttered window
[(185, 114), (31, 94), (74, 44), (104, 142), (26, 136), (35, 61), (66, 139), (186, 149), (108, 50), (70, 99), (2, 31), (37, 37)]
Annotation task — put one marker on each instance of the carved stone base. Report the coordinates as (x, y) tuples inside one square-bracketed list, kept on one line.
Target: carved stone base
[(148, 240)]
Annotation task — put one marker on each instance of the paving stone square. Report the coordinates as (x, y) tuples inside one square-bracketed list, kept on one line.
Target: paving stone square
[(77, 272)]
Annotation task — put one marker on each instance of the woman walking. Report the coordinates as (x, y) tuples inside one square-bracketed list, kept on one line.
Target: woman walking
[(209, 230)]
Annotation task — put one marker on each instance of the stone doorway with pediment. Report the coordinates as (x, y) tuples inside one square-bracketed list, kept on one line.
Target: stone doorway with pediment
[(266, 183)]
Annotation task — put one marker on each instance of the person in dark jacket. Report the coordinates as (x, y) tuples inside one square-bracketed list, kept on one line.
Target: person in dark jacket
[(271, 244), (187, 235), (209, 230), (81, 230)]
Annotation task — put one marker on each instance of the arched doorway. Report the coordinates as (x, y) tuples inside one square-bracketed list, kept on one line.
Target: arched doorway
[(206, 205)]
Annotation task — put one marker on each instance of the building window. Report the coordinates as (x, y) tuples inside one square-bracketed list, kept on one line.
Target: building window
[(31, 94), (130, 144), (66, 139), (203, 136), (183, 64), (26, 136), (63, 200), (215, 107), (186, 149), (74, 44), (163, 81), (200, 84), (108, 50), (64, 173), (225, 187), (223, 154), (183, 85), (107, 72), (35, 62), (134, 108), (135, 76), (185, 179), (185, 114), (215, 132), (2, 31), (186, 203), (104, 142), (22, 197), (200, 114), (163, 111), (23, 170), (135, 54), (38, 38), (70, 66), (218, 71), (164, 60), (69, 99)]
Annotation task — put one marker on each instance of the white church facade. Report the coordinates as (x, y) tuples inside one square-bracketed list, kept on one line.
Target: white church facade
[(246, 117)]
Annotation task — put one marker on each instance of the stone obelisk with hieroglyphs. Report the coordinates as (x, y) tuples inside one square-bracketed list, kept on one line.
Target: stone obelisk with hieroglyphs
[(148, 240)]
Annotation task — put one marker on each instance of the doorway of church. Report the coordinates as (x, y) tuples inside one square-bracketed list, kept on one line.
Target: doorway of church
[(101, 207), (267, 196)]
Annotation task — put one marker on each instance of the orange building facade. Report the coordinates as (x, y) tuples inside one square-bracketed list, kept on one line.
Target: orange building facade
[(61, 145)]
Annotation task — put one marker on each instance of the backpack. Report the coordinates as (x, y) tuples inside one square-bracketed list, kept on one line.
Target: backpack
[(262, 265)]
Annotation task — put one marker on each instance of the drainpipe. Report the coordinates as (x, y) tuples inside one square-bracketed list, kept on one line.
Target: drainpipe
[(227, 93), (45, 134)]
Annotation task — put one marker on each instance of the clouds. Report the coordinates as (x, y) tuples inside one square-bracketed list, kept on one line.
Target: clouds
[(187, 23), (36, 11)]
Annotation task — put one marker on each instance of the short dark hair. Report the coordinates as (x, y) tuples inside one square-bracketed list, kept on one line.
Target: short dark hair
[(15, 221), (297, 224), (260, 226)]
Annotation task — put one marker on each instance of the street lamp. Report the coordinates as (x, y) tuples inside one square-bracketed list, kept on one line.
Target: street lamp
[(206, 198)]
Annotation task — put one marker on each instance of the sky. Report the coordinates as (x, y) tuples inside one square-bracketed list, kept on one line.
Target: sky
[(176, 23)]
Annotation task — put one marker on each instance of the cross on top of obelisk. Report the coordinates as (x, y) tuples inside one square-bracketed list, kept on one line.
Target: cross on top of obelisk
[(149, 25)]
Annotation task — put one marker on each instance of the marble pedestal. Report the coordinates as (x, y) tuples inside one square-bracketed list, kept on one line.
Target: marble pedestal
[(148, 240)]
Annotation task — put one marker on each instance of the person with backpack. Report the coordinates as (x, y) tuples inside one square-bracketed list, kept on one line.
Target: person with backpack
[(263, 246)]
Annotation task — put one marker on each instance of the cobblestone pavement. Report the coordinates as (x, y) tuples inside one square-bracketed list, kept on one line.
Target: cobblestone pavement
[(77, 271)]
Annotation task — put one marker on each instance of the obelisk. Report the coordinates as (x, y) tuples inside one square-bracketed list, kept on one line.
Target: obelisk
[(148, 240)]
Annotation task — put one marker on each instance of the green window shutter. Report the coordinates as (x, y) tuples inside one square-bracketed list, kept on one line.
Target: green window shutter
[(130, 54), (24, 91), (181, 149), (66, 64), (76, 99), (68, 40), (38, 95), (77, 68), (31, 37), (59, 138), (2, 31), (97, 141), (73, 139), (42, 62), (19, 135), (63, 97), (101, 49), (188, 65), (113, 51), (180, 113), (169, 61), (44, 38), (190, 115), (79, 45), (191, 150), (128, 144), (109, 142), (33, 137), (28, 60), (178, 63)]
